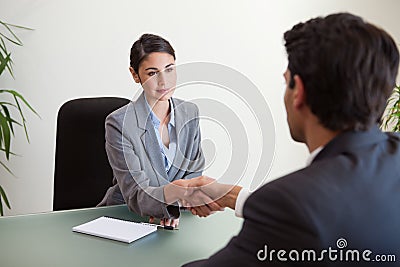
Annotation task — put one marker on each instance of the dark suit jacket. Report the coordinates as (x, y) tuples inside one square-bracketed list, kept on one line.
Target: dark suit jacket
[(349, 194)]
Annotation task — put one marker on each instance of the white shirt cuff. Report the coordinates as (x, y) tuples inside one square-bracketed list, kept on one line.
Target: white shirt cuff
[(244, 193)]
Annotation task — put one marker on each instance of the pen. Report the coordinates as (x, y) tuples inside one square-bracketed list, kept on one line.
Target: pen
[(165, 227)]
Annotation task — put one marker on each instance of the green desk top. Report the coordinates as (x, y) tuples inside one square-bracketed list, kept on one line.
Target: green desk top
[(47, 240)]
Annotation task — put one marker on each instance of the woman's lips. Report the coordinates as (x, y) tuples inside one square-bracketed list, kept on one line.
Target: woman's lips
[(163, 91)]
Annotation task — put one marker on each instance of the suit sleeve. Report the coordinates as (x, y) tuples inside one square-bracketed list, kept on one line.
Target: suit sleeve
[(273, 219), (139, 196)]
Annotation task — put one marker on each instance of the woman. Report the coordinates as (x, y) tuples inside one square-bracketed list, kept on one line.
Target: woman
[(153, 142)]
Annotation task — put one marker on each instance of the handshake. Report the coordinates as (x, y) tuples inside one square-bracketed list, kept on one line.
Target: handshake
[(202, 195)]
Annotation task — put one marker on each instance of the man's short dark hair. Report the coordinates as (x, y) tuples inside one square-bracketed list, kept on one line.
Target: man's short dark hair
[(348, 68)]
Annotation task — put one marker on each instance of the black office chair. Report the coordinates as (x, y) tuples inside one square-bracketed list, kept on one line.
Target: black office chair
[(82, 172)]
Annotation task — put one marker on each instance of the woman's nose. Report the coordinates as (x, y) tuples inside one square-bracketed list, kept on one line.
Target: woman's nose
[(161, 78)]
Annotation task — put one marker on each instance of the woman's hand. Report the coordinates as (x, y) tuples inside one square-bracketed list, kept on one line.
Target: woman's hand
[(189, 193), (166, 222), (170, 222)]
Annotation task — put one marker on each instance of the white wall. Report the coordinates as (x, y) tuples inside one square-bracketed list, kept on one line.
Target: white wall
[(81, 48)]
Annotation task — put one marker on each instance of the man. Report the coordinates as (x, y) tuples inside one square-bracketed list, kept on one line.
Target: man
[(344, 207)]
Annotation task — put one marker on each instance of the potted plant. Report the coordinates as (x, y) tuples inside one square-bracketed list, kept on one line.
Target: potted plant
[(391, 120), (7, 107)]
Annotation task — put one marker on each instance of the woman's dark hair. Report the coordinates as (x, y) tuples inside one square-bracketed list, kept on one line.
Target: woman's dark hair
[(348, 68), (148, 43)]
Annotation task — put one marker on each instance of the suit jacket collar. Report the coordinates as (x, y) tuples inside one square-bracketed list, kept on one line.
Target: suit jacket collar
[(155, 120), (143, 114), (149, 138), (182, 136), (350, 140)]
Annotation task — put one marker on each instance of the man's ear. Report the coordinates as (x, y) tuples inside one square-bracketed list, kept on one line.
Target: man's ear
[(299, 94), (134, 75)]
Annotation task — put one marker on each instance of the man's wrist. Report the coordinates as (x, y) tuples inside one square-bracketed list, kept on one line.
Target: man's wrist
[(232, 196)]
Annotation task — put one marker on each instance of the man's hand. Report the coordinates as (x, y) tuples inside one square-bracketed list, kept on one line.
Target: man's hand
[(179, 190), (224, 195)]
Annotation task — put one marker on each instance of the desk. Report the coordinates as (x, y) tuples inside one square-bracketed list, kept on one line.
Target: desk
[(47, 240)]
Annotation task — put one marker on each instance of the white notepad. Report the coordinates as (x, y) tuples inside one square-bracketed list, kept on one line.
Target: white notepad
[(116, 229)]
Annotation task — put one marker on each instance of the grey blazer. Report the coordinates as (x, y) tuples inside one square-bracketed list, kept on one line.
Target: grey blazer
[(135, 157)]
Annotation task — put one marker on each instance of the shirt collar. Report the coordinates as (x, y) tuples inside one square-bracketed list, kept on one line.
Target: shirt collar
[(154, 118), (312, 155)]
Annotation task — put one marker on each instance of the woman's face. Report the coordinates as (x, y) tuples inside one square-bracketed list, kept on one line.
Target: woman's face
[(157, 74)]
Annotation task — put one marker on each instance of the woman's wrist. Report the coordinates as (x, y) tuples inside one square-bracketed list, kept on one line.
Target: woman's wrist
[(173, 192), (169, 195)]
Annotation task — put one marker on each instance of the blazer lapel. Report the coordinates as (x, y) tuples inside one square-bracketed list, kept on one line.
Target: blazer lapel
[(149, 139), (181, 128)]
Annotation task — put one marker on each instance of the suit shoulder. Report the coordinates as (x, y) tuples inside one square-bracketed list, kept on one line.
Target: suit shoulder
[(186, 106), (296, 186), (394, 136), (119, 114), (280, 186)]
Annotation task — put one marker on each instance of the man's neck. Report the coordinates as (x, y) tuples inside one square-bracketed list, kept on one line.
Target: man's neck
[(317, 136)]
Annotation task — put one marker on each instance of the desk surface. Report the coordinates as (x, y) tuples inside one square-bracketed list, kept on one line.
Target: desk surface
[(47, 240)]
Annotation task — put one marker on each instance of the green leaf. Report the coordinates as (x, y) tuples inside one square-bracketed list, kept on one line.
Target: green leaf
[(393, 111), (4, 62), (6, 135), (8, 63), (23, 119), (396, 114), (18, 95), (3, 46), (6, 121), (11, 40), (7, 103), (11, 153), (4, 196), (9, 119), (17, 41), (17, 26), (8, 26)]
